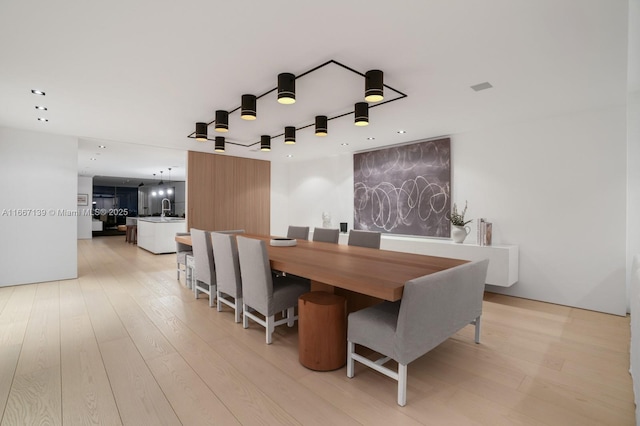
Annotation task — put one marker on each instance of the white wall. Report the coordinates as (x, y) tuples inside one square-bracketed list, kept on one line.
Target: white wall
[(279, 199), (85, 186), (633, 192), (310, 188), (37, 171), (633, 179), (556, 187)]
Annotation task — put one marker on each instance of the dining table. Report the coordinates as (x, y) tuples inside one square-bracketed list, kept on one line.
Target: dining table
[(368, 274)]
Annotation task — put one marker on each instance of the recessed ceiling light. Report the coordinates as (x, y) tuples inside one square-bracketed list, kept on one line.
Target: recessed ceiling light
[(371, 139), (37, 92), (101, 146), (344, 144), (93, 159), (402, 131), (43, 119), (43, 108), (481, 86), (289, 155)]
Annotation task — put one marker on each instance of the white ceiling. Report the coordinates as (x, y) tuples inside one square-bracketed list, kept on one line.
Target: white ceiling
[(135, 76)]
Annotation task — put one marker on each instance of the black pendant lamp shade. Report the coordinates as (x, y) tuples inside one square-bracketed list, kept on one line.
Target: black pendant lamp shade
[(248, 108), (286, 88), (222, 121), (362, 114), (265, 143), (321, 125), (373, 86), (201, 132), (289, 135), (219, 147)]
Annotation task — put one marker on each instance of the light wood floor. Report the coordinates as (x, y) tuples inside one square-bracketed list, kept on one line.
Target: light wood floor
[(126, 343)]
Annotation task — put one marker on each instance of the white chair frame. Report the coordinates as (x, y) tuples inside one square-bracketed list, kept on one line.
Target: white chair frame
[(400, 376), (269, 323)]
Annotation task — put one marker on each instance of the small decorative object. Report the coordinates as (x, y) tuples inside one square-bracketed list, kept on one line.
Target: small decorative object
[(484, 232), (326, 220), (283, 242), (459, 230), (343, 227)]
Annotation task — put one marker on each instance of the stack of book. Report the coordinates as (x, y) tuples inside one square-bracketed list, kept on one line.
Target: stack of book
[(484, 232)]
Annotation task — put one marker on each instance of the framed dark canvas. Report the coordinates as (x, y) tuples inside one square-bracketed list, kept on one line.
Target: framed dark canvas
[(404, 189)]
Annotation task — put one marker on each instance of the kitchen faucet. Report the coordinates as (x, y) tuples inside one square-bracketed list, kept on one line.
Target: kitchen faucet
[(168, 209)]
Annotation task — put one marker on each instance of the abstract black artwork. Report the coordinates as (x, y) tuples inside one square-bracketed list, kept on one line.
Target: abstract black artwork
[(404, 189)]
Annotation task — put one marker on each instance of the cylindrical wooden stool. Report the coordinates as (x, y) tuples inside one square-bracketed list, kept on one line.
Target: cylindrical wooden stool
[(322, 330)]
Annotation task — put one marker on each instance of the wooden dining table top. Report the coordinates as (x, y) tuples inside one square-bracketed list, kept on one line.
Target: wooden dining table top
[(374, 272)]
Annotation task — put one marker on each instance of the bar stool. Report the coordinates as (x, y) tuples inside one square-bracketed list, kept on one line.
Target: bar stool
[(322, 330), (132, 230), (132, 234)]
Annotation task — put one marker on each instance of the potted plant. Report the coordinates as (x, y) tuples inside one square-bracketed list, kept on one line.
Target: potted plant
[(459, 230)]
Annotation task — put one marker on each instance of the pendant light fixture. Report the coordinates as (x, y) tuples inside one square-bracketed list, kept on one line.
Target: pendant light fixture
[(289, 135), (201, 132), (153, 192), (286, 88), (222, 121), (373, 86), (362, 114), (265, 143), (248, 107), (321, 125), (219, 144), (285, 91), (170, 189)]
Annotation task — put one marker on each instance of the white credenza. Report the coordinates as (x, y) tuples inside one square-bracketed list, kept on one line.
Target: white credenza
[(503, 259), (157, 235)]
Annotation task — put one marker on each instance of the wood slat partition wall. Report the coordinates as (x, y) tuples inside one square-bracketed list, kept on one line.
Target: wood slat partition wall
[(226, 192)]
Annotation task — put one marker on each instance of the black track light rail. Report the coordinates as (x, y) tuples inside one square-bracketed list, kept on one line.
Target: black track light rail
[(401, 95)]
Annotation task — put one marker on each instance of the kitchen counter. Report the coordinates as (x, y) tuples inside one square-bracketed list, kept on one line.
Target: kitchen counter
[(157, 234)]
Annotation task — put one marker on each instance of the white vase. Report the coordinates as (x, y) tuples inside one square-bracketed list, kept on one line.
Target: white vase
[(459, 233)]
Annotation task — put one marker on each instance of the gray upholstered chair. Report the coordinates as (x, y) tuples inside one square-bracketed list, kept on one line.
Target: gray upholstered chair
[(433, 308), (298, 232), (326, 235), (369, 239), (182, 250), (205, 279), (228, 282), (263, 292)]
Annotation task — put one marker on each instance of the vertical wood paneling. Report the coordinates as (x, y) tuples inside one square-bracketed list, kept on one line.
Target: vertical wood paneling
[(228, 193)]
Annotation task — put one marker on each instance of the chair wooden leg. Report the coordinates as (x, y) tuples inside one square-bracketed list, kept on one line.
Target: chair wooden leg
[(219, 307), (245, 319), (238, 309), (291, 319), (477, 322), (269, 328), (402, 385), (351, 347)]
